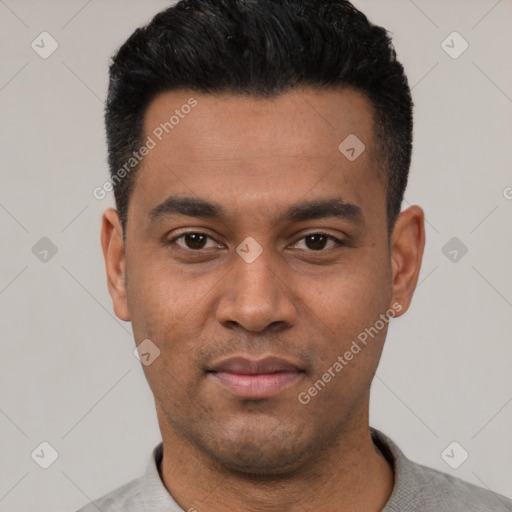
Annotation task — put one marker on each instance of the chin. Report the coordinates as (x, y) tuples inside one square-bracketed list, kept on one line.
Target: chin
[(270, 453), (264, 445), (251, 460)]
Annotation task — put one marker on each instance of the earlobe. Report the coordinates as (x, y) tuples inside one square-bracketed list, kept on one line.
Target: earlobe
[(115, 262), (407, 244)]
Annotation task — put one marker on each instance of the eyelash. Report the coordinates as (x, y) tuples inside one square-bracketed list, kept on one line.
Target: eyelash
[(338, 242)]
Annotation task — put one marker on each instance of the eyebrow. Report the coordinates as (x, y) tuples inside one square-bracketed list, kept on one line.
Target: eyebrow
[(334, 207)]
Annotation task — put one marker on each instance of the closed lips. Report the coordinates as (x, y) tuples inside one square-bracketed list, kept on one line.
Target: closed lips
[(255, 379), (245, 366)]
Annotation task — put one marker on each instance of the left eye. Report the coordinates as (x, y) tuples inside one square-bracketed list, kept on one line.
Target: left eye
[(314, 241), (318, 241)]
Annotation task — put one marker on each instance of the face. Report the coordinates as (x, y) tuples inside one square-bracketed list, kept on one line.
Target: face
[(256, 255)]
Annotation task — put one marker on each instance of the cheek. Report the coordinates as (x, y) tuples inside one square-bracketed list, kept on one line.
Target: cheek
[(353, 294), (346, 310), (159, 295), (347, 313), (169, 308)]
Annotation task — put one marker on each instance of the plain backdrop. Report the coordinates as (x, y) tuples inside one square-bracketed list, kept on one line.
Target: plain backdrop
[(68, 375)]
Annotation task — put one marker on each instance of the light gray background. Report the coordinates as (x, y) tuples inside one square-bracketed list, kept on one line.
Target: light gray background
[(67, 372)]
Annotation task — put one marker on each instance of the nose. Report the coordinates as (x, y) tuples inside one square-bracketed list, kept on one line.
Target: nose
[(256, 295)]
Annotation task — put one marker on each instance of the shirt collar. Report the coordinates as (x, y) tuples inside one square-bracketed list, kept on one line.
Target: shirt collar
[(154, 494), (407, 489)]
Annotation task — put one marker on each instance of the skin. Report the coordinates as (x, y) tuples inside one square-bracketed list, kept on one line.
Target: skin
[(299, 301)]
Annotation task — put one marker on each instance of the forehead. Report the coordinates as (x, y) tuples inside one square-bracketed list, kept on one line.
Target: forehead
[(304, 122), (257, 151)]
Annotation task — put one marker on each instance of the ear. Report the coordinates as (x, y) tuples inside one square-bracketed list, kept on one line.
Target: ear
[(115, 261), (407, 244)]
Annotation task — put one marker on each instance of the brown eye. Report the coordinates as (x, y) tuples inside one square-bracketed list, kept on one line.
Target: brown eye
[(319, 241), (193, 240), (316, 242)]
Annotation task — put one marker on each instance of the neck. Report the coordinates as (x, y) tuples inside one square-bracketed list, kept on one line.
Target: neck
[(350, 475)]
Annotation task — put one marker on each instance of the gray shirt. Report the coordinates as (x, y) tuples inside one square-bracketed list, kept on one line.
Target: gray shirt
[(417, 489)]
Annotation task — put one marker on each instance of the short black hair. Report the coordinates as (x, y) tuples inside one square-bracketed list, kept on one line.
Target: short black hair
[(260, 48)]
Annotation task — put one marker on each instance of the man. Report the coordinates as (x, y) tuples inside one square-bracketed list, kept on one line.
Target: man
[(259, 151)]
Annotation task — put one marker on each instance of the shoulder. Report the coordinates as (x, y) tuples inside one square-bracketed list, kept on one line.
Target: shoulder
[(142, 494), (445, 492), (123, 499), (419, 487)]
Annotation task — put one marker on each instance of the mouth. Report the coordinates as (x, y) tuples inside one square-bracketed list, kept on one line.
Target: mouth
[(255, 379)]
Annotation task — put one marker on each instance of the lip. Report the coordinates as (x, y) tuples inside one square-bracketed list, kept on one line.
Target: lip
[(255, 379)]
